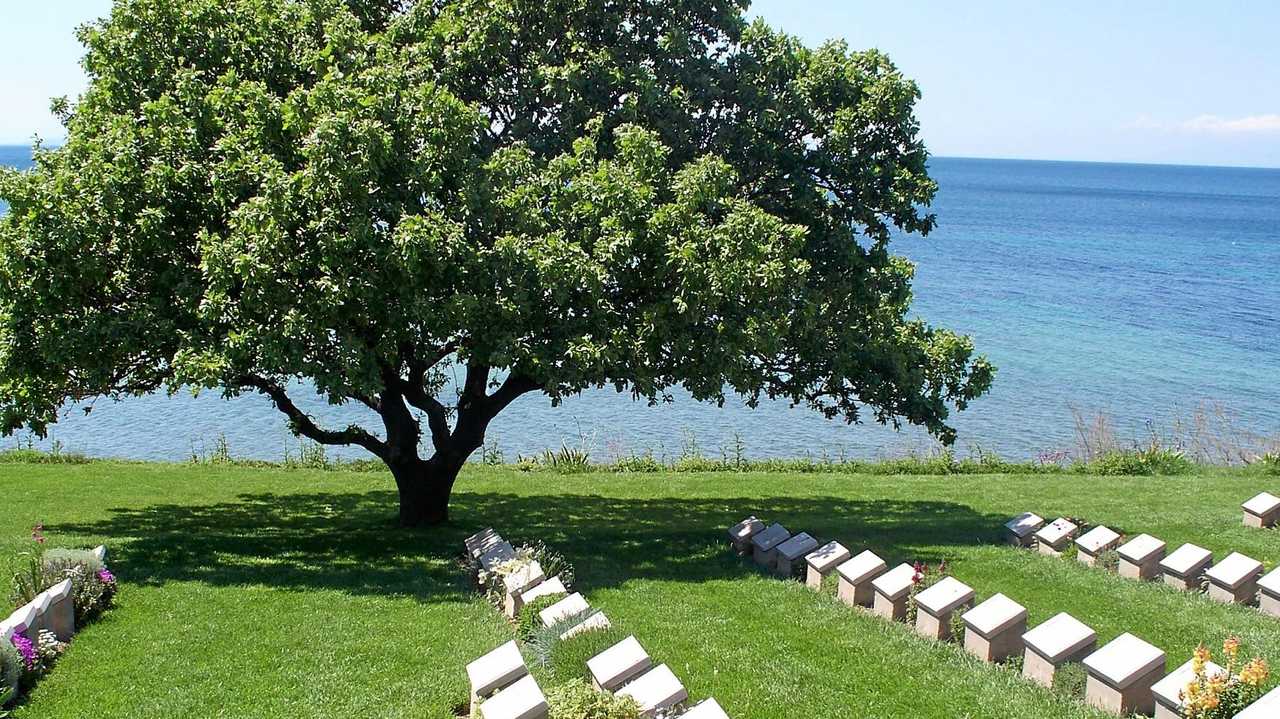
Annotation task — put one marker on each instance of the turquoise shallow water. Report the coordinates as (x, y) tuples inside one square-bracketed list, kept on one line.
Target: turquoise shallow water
[(1142, 291)]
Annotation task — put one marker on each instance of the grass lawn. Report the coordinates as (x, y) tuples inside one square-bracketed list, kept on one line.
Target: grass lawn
[(269, 593)]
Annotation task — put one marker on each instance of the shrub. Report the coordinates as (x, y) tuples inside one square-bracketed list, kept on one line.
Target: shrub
[(1108, 561), (93, 587), (1153, 460), (1208, 697), (575, 699), (1069, 680), (528, 622), (48, 651), (1268, 463), (11, 668)]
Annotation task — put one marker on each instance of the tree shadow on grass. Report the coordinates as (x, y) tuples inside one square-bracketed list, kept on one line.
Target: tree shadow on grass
[(347, 542)]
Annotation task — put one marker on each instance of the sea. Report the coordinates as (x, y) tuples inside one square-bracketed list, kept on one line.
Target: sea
[(1145, 294)]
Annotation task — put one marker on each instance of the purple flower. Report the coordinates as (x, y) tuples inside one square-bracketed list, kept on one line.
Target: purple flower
[(106, 577), (26, 649)]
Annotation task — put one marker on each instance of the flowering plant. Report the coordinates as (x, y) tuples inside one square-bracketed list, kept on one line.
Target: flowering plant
[(26, 650), (1222, 695)]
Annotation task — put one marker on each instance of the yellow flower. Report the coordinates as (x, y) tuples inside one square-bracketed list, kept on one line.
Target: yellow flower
[(1255, 672), (1198, 660), (1231, 647)]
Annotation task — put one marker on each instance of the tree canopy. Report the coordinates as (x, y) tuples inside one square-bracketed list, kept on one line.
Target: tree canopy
[(548, 196)]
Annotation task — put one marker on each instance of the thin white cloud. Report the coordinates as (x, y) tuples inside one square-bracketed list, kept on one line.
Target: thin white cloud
[(1214, 124)]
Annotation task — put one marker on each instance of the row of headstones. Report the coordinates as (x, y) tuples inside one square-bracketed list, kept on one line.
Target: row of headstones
[(1263, 511), (1237, 579), (52, 610), (1124, 676), (501, 686)]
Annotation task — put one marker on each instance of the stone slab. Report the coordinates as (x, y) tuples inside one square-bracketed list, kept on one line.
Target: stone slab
[(862, 568), (1166, 690), (100, 552), (1124, 660), (548, 588), (25, 620), (656, 689), (522, 700), (826, 558), (770, 537), (573, 604), (1097, 540), (60, 612), (1024, 525), (1060, 638), (524, 578), (483, 536), (595, 622), (1234, 571), (746, 529), (709, 709), (1268, 707), (945, 596), (497, 554), (1055, 535), (497, 669), (994, 616), (1141, 549), (1187, 560), (797, 546), (895, 583), (1262, 504), (618, 664), (1135, 699)]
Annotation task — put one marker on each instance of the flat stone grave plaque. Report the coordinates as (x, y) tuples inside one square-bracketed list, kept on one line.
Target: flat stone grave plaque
[(1021, 530), (497, 554), (1234, 579), (1140, 557), (855, 578), (1184, 568), (522, 700), (1166, 691), (766, 541), (1095, 542), (1261, 511), (936, 604), (1121, 675), (823, 561), (618, 664), (656, 689), (790, 554), (1059, 640), (498, 669), (891, 590), (1053, 537), (569, 606), (549, 588), (993, 629)]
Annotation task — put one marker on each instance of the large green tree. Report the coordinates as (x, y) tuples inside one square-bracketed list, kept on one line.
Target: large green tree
[(539, 196)]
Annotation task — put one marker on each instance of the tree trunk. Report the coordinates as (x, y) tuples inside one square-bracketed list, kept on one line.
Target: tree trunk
[(425, 487)]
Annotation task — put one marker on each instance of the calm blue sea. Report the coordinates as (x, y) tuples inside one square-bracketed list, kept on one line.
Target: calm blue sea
[(1142, 291)]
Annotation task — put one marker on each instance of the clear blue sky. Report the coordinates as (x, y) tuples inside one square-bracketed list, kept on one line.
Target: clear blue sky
[(1177, 81)]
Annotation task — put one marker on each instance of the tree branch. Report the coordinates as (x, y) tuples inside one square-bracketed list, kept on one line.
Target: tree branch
[(302, 424)]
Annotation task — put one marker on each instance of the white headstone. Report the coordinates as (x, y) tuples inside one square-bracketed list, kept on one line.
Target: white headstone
[(1268, 707), (1186, 559), (618, 664), (497, 669), (476, 539), (549, 588), (862, 567), (524, 578), (569, 606), (746, 529), (709, 709), (945, 596), (656, 689), (797, 546), (497, 554), (1097, 539), (1123, 661), (1060, 637), (1056, 532), (1141, 548), (1168, 689), (1024, 524), (24, 617), (1270, 582), (595, 622), (995, 614), (522, 700), (1264, 503), (1235, 570), (827, 557), (100, 552), (896, 582)]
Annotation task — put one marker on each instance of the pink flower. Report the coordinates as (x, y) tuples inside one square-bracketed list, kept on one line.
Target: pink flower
[(26, 649), (106, 577)]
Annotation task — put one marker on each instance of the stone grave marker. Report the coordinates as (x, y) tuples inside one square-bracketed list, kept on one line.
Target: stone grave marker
[(1269, 593), (1185, 567), (548, 588), (565, 608), (855, 579), (1234, 579), (1121, 675), (1054, 537), (1094, 542), (935, 605), (709, 709), (655, 690), (495, 671), (516, 583), (993, 630), (522, 700), (1261, 511), (60, 614), (790, 555), (1268, 707), (765, 543), (1167, 690), (497, 554), (1021, 530), (891, 592), (100, 552), (618, 665), (823, 561), (1140, 557), (1057, 641), (741, 533), (595, 622)]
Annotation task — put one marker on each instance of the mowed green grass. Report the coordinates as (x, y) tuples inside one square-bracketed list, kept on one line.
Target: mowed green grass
[(270, 593)]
